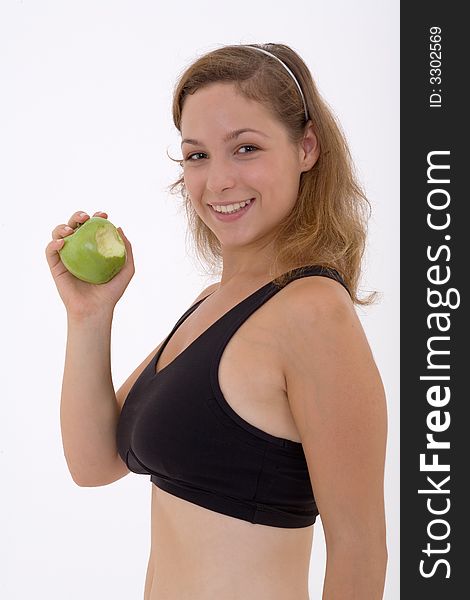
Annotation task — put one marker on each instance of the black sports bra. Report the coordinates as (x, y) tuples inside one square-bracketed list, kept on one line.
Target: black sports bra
[(177, 427)]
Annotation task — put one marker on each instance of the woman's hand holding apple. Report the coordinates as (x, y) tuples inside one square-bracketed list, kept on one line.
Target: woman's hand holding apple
[(83, 299)]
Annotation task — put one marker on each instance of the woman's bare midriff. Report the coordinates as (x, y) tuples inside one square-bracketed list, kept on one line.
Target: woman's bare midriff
[(199, 554)]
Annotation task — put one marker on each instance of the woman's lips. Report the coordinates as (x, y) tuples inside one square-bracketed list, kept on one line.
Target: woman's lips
[(232, 216)]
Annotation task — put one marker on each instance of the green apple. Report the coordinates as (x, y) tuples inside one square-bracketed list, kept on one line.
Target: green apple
[(95, 252)]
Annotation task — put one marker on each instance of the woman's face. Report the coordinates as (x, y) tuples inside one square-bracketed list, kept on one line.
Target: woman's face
[(262, 166)]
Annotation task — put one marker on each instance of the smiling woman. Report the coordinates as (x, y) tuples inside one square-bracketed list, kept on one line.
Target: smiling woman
[(263, 408), (268, 176), (328, 223)]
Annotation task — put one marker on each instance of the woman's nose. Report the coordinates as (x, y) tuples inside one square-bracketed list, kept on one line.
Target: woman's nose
[(220, 175)]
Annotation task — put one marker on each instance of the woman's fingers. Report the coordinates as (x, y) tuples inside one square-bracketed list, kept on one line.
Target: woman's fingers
[(79, 217), (61, 231), (52, 252)]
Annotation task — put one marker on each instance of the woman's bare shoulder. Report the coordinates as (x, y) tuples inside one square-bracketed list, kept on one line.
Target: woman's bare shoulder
[(206, 291), (311, 296)]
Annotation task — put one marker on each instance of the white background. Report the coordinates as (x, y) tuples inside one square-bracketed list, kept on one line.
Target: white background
[(85, 123)]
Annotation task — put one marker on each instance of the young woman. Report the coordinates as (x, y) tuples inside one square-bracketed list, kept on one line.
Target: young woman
[(263, 408)]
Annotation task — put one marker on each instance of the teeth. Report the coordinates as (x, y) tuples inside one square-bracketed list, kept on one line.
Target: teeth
[(230, 208)]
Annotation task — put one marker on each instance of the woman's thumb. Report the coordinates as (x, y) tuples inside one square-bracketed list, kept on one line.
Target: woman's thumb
[(121, 232), (130, 256)]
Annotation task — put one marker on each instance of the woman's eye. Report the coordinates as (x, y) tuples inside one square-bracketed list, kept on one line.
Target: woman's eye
[(248, 146), (191, 156)]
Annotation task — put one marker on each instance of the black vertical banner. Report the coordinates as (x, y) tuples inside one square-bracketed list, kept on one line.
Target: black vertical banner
[(434, 265)]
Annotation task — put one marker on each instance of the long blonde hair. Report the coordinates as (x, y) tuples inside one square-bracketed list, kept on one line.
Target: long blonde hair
[(328, 224)]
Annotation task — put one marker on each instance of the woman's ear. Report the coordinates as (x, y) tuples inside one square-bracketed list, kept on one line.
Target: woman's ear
[(309, 149)]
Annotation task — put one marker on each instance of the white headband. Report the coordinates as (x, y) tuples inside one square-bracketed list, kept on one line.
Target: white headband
[(290, 73)]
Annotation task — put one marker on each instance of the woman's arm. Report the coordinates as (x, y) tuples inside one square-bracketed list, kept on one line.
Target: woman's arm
[(338, 403)]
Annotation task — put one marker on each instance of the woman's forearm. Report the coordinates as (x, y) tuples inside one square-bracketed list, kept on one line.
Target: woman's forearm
[(89, 410), (355, 573)]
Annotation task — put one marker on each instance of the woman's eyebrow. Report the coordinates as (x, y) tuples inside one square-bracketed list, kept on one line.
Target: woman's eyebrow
[(230, 136)]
